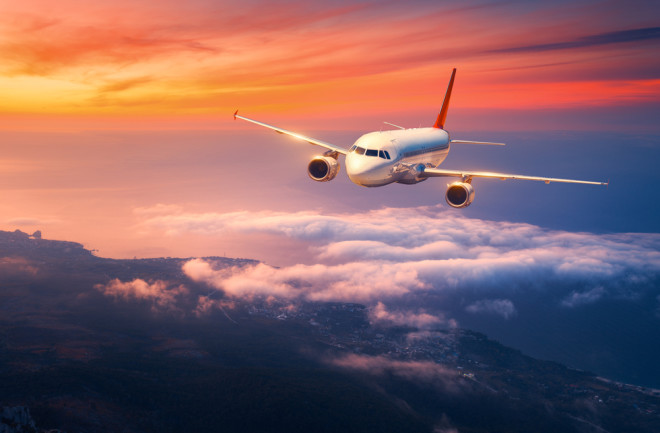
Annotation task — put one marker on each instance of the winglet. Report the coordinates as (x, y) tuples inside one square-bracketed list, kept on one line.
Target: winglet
[(235, 113), (440, 121)]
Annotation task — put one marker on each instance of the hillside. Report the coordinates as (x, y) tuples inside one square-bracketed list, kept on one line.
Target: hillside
[(84, 358)]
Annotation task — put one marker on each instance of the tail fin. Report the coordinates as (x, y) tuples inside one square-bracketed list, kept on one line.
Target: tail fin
[(440, 121)]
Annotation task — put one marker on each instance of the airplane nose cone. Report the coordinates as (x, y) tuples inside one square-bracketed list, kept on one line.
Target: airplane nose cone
[(364, 171), (358, 178), (356, 170)]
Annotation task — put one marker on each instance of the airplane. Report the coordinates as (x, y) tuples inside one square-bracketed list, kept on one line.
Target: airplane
[(406, 156)]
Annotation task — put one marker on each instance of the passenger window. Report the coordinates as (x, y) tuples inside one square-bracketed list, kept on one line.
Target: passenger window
[(359, 150), (372, 152)]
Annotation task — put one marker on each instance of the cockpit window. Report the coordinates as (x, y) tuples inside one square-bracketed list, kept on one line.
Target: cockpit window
[(370, 152)]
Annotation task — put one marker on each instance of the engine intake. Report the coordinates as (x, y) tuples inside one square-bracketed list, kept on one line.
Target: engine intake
[(323, 168), (459, 194)]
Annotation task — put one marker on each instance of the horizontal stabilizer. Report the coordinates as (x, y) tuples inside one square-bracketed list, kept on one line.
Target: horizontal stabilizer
[(477, 142), (392, 124)]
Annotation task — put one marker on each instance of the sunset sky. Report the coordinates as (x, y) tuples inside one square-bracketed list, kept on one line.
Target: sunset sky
[(115, 114), (136, 64)]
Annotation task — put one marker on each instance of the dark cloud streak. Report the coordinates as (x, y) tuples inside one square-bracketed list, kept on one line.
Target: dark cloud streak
[(633, 35)]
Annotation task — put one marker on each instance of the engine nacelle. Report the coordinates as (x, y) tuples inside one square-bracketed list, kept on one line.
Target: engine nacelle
[(459, 194), (323, 168)]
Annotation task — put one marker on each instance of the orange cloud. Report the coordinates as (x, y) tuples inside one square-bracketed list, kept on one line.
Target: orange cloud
[(176, 61)]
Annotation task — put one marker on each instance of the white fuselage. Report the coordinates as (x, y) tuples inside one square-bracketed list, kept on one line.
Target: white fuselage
[(380, 158)]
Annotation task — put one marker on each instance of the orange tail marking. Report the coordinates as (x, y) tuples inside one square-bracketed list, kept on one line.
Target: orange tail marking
[(440, 121)]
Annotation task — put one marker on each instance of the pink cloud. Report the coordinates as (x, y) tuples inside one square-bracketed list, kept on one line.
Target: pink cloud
[(420, 319), (205, 305), (426, 371), (161, 294), (16, 266)]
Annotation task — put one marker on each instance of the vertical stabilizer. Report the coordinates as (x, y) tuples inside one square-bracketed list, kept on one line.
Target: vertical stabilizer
[(440, 121)]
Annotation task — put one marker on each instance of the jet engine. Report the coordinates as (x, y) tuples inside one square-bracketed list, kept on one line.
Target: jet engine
[(459, 194), (323, 168)]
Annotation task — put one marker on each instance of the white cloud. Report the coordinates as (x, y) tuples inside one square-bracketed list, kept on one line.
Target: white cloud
[(500, 307), (398, 253), (354, 282), (378, 250), (424, 233), (576, 299)]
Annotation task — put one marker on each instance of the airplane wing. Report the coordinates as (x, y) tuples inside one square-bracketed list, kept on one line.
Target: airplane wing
[(438, 172), (329, 146)]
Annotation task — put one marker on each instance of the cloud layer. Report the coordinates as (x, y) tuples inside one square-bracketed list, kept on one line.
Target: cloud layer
[(406, 255)]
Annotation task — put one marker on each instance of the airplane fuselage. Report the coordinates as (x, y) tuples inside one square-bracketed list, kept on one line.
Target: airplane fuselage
[(384, 157)]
